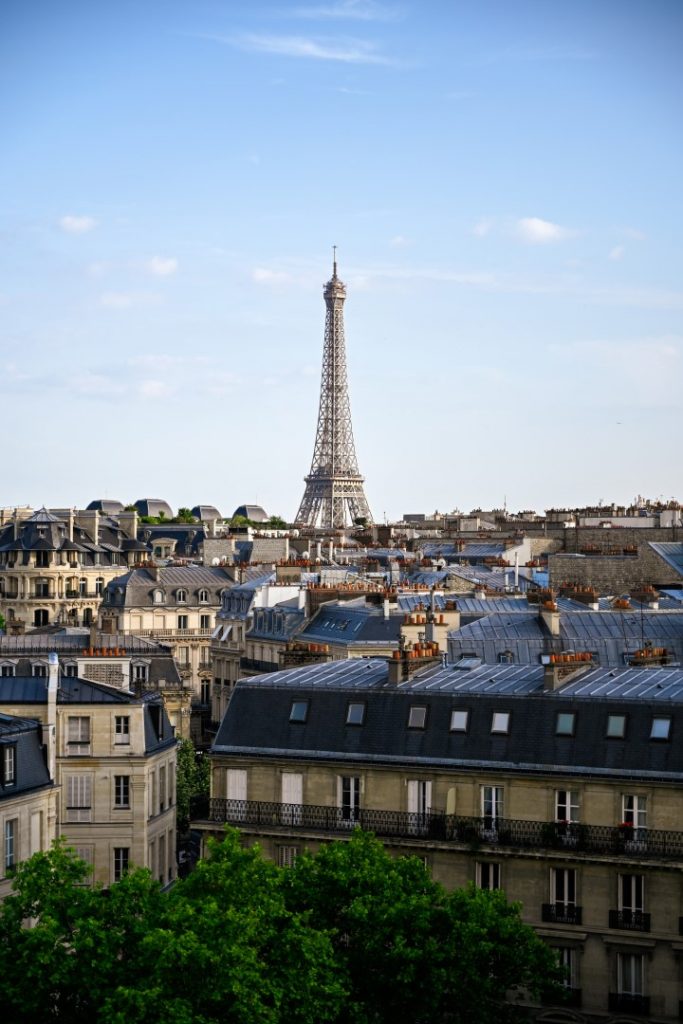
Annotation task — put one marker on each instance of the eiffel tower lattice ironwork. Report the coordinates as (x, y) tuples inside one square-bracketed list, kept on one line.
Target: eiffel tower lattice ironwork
[(334, 495)]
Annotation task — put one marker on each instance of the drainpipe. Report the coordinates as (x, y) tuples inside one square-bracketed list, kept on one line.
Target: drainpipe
[(52, 686)]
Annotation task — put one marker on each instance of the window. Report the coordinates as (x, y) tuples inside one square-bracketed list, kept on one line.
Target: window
[(631, 897), (236, 792), (298, 711), (634, 811), (565, 723), (40, 671), (491, 806), (82, 587), (459, 721), (78, 735), (349, 798), (506, 658), (7, 670), (616, 726), (11, 830), (41, 617), (660, 729), (286, 855), (203, 596), (630, 974), (9, 765), (121, 859), (162, 788), (205, 622), (99, 586), (181, 596), (567, 958), (158, 597), (182, 621), (488, 875), (500, 722), (70, 671), (140, 673), (419, 804), (566, 805), (563, 886), (122, 730), (78, 798), (162, 858), (417, 716), (121, 791), (355, 714), (42, 559)]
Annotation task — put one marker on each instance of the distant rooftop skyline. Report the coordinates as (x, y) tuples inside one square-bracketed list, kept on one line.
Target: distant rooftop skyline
[(503, 184)]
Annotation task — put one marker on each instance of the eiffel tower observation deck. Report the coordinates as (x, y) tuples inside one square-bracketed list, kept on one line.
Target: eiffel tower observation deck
[(334, 497)]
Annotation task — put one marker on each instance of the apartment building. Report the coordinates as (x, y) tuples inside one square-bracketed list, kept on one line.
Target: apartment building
[(28, 796), (561, 786), (113, 756)]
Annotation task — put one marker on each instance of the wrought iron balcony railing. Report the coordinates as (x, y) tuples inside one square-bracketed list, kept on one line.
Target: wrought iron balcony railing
[(561, 913), (620, 1002), (471, 831), (633, 920)]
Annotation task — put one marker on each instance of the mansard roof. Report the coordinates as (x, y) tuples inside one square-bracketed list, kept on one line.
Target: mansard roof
[(257, 722)]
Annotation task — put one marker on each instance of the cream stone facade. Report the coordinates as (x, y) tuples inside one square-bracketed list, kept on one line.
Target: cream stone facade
[(114, 766), (573, 805)]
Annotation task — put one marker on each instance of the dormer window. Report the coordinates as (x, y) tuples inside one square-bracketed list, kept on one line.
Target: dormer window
[(203, 596), (181, 596), (298, 711), (158, 597), (500, 722)]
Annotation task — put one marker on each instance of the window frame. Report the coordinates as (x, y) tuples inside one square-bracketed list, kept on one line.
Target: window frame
[(571, 730), (413, 710), (497, 730), (661, 719), (124, 731), (485, 869), (8, 768), (457, 728), (122, 792), (614, 718), (121, 856), (299, 718), (361, 707)]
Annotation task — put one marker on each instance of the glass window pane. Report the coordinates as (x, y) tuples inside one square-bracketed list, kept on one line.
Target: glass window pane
[(355, 714), (616, 726), (299, 711), (660, 728), (459, 720), (417, 717), (500, 721), (565, 723)]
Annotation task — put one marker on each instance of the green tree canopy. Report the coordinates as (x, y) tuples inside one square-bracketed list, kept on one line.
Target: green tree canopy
[(409, 950), (348, 936), (192, 780)]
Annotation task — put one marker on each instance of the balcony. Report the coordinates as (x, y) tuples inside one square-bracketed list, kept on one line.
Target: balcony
[(620, 1002), (255, 665), (631, 920), (561, 913), (473, 833), (179, 634)]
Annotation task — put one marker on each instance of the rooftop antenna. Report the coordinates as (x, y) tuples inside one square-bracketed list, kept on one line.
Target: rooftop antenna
[(334, 261)]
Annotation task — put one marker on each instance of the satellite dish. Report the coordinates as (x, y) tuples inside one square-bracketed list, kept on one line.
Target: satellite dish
[(215, 561)]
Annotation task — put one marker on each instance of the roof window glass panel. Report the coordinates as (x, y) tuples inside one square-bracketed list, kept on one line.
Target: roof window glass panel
[(459, 721), (298, 711), (500, 722), (417, 716), (660, 729), (565, 723), (616, 726), (355, 714)]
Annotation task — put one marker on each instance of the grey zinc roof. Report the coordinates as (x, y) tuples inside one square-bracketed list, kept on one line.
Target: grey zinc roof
[(658, 684), (351, 622), (458, 678), (671, 552), (257, 722), (33, 690), (25, 735), (138, 584)]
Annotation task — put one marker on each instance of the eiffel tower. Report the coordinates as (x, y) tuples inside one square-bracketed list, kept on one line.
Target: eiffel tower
[(334, 496)]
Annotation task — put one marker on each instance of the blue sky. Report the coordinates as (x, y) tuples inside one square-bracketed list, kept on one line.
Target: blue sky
[(502, 179)]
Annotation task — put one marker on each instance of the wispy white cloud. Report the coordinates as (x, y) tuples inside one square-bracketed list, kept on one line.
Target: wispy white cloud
[(162, 266), (357, 10), (616, 253), (155, 389), (124, 300), (96, 384), (75, 224), (483, 227), (350, 51), (399, 242), (537, 231)]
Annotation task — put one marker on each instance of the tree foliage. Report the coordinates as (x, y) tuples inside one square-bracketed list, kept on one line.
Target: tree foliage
[(192, 780), (348, 936)]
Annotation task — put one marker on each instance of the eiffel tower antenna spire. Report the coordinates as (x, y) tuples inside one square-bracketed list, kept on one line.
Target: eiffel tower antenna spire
[(334, 495)]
